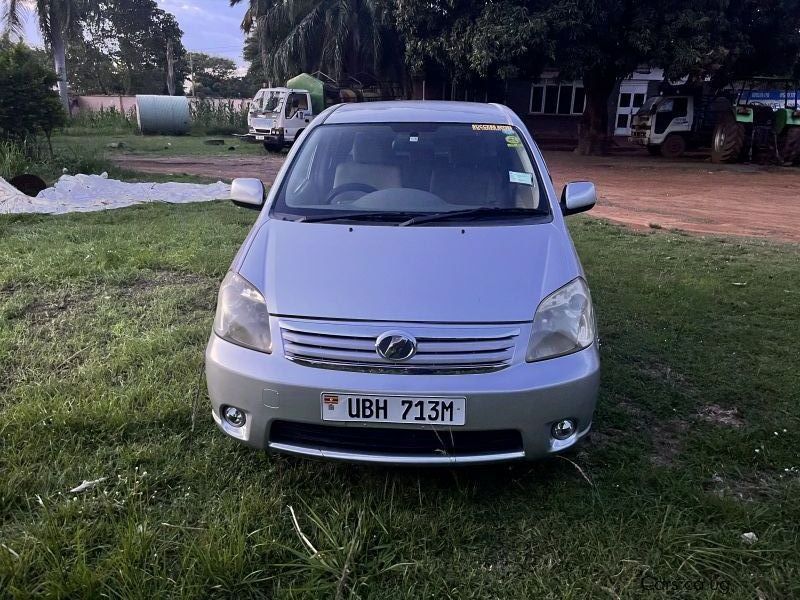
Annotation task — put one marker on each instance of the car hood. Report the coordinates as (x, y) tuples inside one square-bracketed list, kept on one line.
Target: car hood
[(436, 274)]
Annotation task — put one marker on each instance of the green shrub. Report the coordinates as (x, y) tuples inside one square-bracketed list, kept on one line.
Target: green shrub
[(12, 160), (31, 156), (29, 105), (220, 117), (110, 121)]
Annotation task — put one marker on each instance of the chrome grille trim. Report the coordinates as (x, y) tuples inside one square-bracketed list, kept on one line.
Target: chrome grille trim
[(442, 349)]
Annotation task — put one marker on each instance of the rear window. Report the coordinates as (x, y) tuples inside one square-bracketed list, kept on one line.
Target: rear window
[(414, 168)]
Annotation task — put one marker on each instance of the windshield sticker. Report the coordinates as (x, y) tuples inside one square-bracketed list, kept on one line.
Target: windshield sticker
[(513, 141), (489, 127), (517, 177)]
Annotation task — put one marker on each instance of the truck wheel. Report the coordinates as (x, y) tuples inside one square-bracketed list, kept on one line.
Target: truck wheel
[(728, 141), (674, 146), (790, 146), (654, 150)]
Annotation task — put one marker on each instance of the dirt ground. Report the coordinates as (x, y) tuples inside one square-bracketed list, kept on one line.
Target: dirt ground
[(640, 191)]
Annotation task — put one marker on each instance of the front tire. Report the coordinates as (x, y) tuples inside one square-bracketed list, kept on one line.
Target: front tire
[(790, 145), (674, 146), (654, 150), (728, 142)]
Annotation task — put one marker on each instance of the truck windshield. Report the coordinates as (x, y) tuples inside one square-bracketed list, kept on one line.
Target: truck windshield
[(390, 172), (269, 101), (647, 107)]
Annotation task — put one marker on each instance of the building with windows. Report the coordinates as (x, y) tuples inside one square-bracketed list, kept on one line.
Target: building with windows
[(551, 107)]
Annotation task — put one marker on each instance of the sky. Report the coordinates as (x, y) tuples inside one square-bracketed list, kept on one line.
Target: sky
[(210, 26)]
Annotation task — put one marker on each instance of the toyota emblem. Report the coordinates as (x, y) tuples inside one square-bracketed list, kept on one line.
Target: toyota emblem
[(396, 346)]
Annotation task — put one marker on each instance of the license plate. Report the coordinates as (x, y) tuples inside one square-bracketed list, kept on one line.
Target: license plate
[(260, 138), (393, 409)]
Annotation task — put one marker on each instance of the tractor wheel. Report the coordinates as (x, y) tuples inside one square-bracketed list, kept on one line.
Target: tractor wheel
[(728, 142), (790, 145), (654, 150), (674, 146)]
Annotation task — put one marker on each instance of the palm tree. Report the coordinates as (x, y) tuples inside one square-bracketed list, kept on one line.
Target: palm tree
[(334, 36), (58, 19)]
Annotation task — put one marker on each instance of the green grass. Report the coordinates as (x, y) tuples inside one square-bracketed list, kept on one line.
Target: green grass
[(91, 155), (161, 145), (103, 321)]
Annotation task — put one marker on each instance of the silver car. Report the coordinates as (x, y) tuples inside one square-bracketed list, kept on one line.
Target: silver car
[(408, 294)]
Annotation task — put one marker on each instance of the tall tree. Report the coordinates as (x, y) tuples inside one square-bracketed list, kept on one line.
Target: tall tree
[(214, 76), (58, 20), (337, 37), (124, 48), (600, 42)]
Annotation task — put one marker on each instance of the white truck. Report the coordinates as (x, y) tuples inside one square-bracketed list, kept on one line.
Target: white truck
[(278, 116), (670, 125)]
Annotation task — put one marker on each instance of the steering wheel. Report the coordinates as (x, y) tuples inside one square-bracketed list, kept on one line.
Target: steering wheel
[(349, 187)]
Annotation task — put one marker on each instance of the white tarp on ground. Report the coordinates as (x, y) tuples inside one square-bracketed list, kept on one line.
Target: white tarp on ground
[(84, 193)]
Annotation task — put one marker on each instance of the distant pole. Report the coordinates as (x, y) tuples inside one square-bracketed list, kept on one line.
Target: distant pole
[(170, 69), (191, 68)]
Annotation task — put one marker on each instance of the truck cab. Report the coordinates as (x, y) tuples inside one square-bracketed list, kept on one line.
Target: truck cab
[(671, 124), (279, 115), (663, 125)]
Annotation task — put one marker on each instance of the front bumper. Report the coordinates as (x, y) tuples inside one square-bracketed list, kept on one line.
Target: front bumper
[(268, 136), (524, 397), (640, 138)]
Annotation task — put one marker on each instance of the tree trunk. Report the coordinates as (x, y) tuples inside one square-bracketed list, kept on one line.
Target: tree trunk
[(593, 135), (170, 69), (60, 63)]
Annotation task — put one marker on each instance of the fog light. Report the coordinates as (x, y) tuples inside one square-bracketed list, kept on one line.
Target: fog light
[(563, 429), (234, 416)]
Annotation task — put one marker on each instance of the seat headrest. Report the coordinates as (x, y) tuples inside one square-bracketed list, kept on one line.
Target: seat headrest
[(468, 151), (402, 145), (372, 148)]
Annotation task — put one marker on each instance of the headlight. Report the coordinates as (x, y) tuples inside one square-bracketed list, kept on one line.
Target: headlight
[(242, 316), (564, 323)]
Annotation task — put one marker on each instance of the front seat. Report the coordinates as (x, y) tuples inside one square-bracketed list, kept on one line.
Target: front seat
[(467, 179), (372, 155)]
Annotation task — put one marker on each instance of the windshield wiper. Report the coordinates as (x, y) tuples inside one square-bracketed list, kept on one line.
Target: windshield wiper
[(355, 216), (483, 211)]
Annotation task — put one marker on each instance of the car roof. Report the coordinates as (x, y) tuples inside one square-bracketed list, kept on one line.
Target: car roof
[(419, 111)]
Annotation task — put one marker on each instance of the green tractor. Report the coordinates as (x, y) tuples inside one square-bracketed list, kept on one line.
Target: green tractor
[(759, 125)]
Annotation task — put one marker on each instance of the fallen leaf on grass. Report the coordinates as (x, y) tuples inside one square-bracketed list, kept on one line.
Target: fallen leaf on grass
[(86, 485), (749, 537)]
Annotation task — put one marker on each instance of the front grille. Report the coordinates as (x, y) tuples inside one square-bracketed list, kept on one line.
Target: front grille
[(440, 350), (396, 442)]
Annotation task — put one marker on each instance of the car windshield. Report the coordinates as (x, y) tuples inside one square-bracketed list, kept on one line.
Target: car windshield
[(406, 170)]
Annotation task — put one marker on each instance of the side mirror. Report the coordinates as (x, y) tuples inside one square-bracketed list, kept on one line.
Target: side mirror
[(247, 192), (577, 197)]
